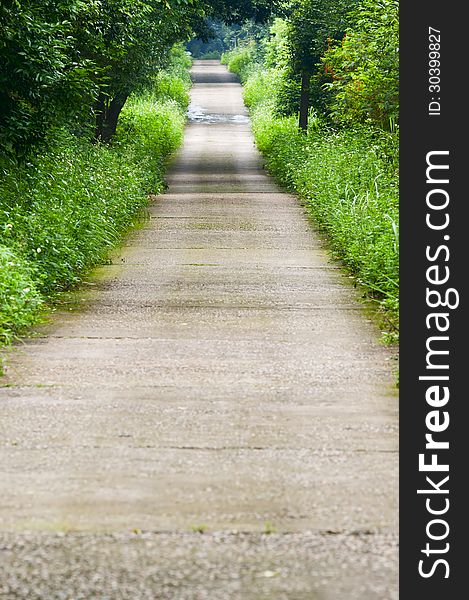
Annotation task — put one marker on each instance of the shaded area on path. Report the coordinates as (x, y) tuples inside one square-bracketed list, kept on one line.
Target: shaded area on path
[(223, 375)]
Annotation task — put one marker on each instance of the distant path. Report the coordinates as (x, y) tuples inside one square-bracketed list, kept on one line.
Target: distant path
[(222, 376)]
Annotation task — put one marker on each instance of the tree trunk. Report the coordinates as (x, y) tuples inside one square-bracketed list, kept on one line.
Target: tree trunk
[(100, 112), (304, 102), (107, 115), (112, 116)]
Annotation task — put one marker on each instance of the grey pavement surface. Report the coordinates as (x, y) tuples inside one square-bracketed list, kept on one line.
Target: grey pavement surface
[(220, 376)]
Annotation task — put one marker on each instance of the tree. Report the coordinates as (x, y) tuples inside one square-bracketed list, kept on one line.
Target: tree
[(238, 11), (311, 26), (130, 41), (43, 78), (365, 66)]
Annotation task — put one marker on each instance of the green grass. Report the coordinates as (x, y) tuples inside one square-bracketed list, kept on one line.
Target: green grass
[(62, 211)]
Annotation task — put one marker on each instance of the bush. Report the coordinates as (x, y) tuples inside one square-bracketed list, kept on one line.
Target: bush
[(68, 206), (150, 130), (365, 67), (241, 60), (261, 87), (174, 82)]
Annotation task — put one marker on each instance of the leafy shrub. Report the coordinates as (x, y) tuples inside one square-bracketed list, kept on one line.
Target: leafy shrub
[(241, 61), (71, 205), (44, 79), (150, 130), (365, 66), (19, 297), (261, 87), (277, 52), (174, 82)]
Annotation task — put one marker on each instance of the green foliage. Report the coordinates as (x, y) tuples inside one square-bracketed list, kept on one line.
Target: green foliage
[(261, 87), (238, 11), (151, 130), (132, 39), (241, 60), (19, 297), (365, 66), (277, 53), (43, 80), (174, 82), (311, 24), (71, 206), (350, 187), (61, 212), (304, 37)]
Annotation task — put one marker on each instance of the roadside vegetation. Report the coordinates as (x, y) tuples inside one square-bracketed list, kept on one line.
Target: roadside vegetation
[(322, 88)]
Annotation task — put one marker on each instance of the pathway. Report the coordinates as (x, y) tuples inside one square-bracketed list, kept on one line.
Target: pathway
[(220, 376)]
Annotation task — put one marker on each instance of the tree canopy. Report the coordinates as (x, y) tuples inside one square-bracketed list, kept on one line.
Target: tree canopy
[(75, 61)]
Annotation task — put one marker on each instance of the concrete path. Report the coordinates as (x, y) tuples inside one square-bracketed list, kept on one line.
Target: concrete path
[(220, 376)]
